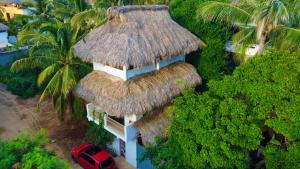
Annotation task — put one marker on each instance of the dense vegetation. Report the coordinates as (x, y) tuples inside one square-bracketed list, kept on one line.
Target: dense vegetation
[(272, 22), (247, 119), (212, 62), (27, 152), (250, 116), (22, 83)]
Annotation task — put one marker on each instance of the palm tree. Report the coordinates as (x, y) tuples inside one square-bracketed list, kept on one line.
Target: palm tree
[(258, 21), (51, 49)]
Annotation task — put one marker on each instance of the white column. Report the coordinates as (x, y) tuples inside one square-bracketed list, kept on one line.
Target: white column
[(131, 152)]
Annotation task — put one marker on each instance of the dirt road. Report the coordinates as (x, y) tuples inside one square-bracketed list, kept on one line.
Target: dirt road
[(17, 115)]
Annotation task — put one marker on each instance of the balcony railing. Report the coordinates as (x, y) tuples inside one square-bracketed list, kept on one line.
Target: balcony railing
[(115, 127), (125, 132)]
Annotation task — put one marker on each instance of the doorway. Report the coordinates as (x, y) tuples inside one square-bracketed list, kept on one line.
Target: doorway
[(122, 148)]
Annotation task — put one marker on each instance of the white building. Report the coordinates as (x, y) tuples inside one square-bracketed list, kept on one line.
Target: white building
[(4, 36), (11, 8), (138, 58)]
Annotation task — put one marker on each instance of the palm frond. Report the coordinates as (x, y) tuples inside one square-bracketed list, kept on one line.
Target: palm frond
[(31, 63), (224, 13), (53, 87), (69, 80), (46, 73), (89, 19), (289, 37), (26, 37)]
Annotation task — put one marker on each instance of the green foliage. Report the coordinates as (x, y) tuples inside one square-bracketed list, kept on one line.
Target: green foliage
[(277, 157), (51, 50), (29, 152), (22, 83), (98, 134), (220, 127), (212, 62), (162, 155), (16, 24), (258, 22), (43, 159)]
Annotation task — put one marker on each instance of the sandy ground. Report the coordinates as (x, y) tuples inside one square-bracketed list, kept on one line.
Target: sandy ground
[(17, 115)]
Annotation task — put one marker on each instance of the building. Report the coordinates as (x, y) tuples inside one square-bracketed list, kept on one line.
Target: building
[(4, 41), (10, 8), (139, 67)]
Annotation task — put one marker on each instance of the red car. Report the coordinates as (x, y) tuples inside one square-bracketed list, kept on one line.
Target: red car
[(90, 156)]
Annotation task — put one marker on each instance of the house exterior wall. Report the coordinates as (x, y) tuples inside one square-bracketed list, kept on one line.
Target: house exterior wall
[(131, 152), (127, 74), (3, 37), (11, 10)]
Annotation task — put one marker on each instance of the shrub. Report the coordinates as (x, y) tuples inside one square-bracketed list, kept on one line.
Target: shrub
[(98, 134), (29, 152), (22, 83)]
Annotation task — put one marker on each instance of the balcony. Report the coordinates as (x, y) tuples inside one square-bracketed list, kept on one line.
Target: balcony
[(114, 127), (124, 131)]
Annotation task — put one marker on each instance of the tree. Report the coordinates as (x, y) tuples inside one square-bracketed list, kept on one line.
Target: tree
[(262, 22), (251, 111), (51, 49), (27, 151), (212, 61)]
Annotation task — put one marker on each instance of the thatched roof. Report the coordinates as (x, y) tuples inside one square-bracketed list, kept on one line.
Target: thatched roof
[(3, 27), (137, 95), (136, 36), (154, 124)]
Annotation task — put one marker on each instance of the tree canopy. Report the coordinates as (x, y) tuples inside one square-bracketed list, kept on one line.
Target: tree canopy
[(253, 110), (275, 22)]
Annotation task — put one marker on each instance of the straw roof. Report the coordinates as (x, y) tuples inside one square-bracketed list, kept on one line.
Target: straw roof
[(3, 27), (154, 124), (137, 95), (136, 36)]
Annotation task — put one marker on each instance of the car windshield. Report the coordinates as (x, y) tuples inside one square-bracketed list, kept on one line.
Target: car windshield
[(92, 150), (106, 162)]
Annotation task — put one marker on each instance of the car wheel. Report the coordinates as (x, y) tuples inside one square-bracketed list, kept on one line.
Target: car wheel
[(74, 159)]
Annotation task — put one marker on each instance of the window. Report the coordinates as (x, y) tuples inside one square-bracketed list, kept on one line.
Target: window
[(87, 158), (106, 162)]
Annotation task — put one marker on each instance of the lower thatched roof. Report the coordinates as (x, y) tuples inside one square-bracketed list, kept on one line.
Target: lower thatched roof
[(137, 95), (154, 124)]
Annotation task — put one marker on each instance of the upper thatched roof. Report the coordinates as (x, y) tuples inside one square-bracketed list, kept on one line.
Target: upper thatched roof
[(137, 95), (136, 36), (3, 27)]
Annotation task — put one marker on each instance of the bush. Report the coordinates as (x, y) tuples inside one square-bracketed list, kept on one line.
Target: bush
[(22, 83), (29, 152), (98, 135)]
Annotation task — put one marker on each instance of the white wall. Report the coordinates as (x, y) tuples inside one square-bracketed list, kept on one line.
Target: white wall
[(3, 37), (131, 152), (127, 74)]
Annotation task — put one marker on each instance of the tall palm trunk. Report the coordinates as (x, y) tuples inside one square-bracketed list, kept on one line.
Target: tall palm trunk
[(262, 43), (262, 35)]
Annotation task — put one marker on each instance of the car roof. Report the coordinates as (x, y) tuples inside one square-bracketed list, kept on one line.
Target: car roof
[(97, 153), (101, 156)]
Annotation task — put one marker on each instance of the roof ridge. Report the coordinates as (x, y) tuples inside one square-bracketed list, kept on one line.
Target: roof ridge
[(129, 8)]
